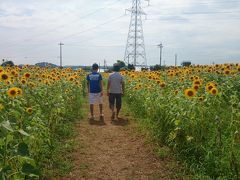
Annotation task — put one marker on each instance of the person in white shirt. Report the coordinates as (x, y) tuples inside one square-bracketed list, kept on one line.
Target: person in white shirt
[(115, 90)]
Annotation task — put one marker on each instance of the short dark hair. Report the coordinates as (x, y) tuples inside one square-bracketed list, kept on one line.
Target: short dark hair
[(95, 66), (116, 67)]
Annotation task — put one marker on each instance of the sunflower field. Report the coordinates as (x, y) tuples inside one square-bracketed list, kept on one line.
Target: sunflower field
[(194, 110), (36, 104)]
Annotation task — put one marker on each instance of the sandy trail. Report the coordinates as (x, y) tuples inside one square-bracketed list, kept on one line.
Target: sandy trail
[(115, 151)]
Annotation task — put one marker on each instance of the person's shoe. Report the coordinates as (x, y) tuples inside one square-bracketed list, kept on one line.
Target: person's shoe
[(101, 117)]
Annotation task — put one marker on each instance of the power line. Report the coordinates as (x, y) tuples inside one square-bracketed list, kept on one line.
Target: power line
[(60, 26), (92, 28)]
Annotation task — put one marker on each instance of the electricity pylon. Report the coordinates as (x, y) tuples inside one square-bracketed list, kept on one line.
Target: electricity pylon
[(135, 49)]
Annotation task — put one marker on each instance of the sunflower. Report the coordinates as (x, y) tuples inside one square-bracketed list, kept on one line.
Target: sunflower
[(47, 82), (196, 87), (23, 81), (209, 87), (31, 84), (132, 76), (27, 75), (77, 83), (197, 82), (13, 92), (44, 75), (214, 91), (176, 92), (200, 98), (190, 93), (181, 79), (4, 76), (29, 110), (71, 78), (162, 84), (36, 75), (227, 72), (19, 91), (14, 73)]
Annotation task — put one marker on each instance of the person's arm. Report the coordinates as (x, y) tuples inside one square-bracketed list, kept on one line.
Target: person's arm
[(101, 86), (88, 84), (108, 86), (123, 87)]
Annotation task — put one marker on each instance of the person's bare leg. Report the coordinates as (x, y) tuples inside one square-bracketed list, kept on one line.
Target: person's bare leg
[(91, 110), (118, 110), (101, 109), (112, 109)]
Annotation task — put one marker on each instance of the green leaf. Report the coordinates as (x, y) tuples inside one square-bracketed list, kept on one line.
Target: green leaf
[(30, 170), (5, 169), (7, 125), (21, 131), (27, 159), (9, 138), (23, 149), (16, 114)]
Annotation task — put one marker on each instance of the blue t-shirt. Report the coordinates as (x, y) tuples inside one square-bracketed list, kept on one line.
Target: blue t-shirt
[(94, 79)]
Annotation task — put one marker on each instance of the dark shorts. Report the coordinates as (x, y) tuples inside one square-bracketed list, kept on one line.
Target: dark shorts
[(117, 98)]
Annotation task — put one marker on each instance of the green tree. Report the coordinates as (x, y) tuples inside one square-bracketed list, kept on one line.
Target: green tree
[(121, 63)]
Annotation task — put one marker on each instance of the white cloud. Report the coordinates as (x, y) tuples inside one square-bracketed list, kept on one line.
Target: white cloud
[(95, 30)]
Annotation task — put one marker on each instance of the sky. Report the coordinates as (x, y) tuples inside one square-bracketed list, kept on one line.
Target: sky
[(203, 32)]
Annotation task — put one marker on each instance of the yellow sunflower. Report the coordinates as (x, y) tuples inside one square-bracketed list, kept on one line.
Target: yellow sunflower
[(23, 81), (13, 92), (162, 84), (19, 91), (214, 91), (196, 87), (27, 75), (4, 76), (176, 92), (209, 87), (190, 93), (29, 110)]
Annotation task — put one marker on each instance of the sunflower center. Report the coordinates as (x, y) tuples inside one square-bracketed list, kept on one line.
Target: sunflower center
[(214, 91), (4, 77), (190, 93), (210, 87), (13, 92)]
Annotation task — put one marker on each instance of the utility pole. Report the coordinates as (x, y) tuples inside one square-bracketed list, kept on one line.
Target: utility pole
[(175, 59), (105, 64), (61, 44), (160, 48)]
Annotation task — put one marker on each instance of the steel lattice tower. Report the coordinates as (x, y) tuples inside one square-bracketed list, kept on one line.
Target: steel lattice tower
[(135, 48)]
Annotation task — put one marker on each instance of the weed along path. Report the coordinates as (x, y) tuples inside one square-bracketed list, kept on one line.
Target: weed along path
[(116, 151)]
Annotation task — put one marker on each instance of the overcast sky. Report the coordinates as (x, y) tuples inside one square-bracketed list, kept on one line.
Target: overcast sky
[(203, 31)]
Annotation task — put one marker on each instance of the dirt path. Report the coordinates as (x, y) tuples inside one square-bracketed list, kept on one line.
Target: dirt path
[(115, 151)]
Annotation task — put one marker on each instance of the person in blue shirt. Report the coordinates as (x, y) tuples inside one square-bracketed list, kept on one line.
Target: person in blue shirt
[(95, 90)]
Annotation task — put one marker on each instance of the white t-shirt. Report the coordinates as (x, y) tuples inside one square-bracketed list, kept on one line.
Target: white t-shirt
[(116, 81)]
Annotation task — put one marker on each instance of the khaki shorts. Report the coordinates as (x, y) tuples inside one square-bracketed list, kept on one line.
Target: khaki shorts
[(95, 98)]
